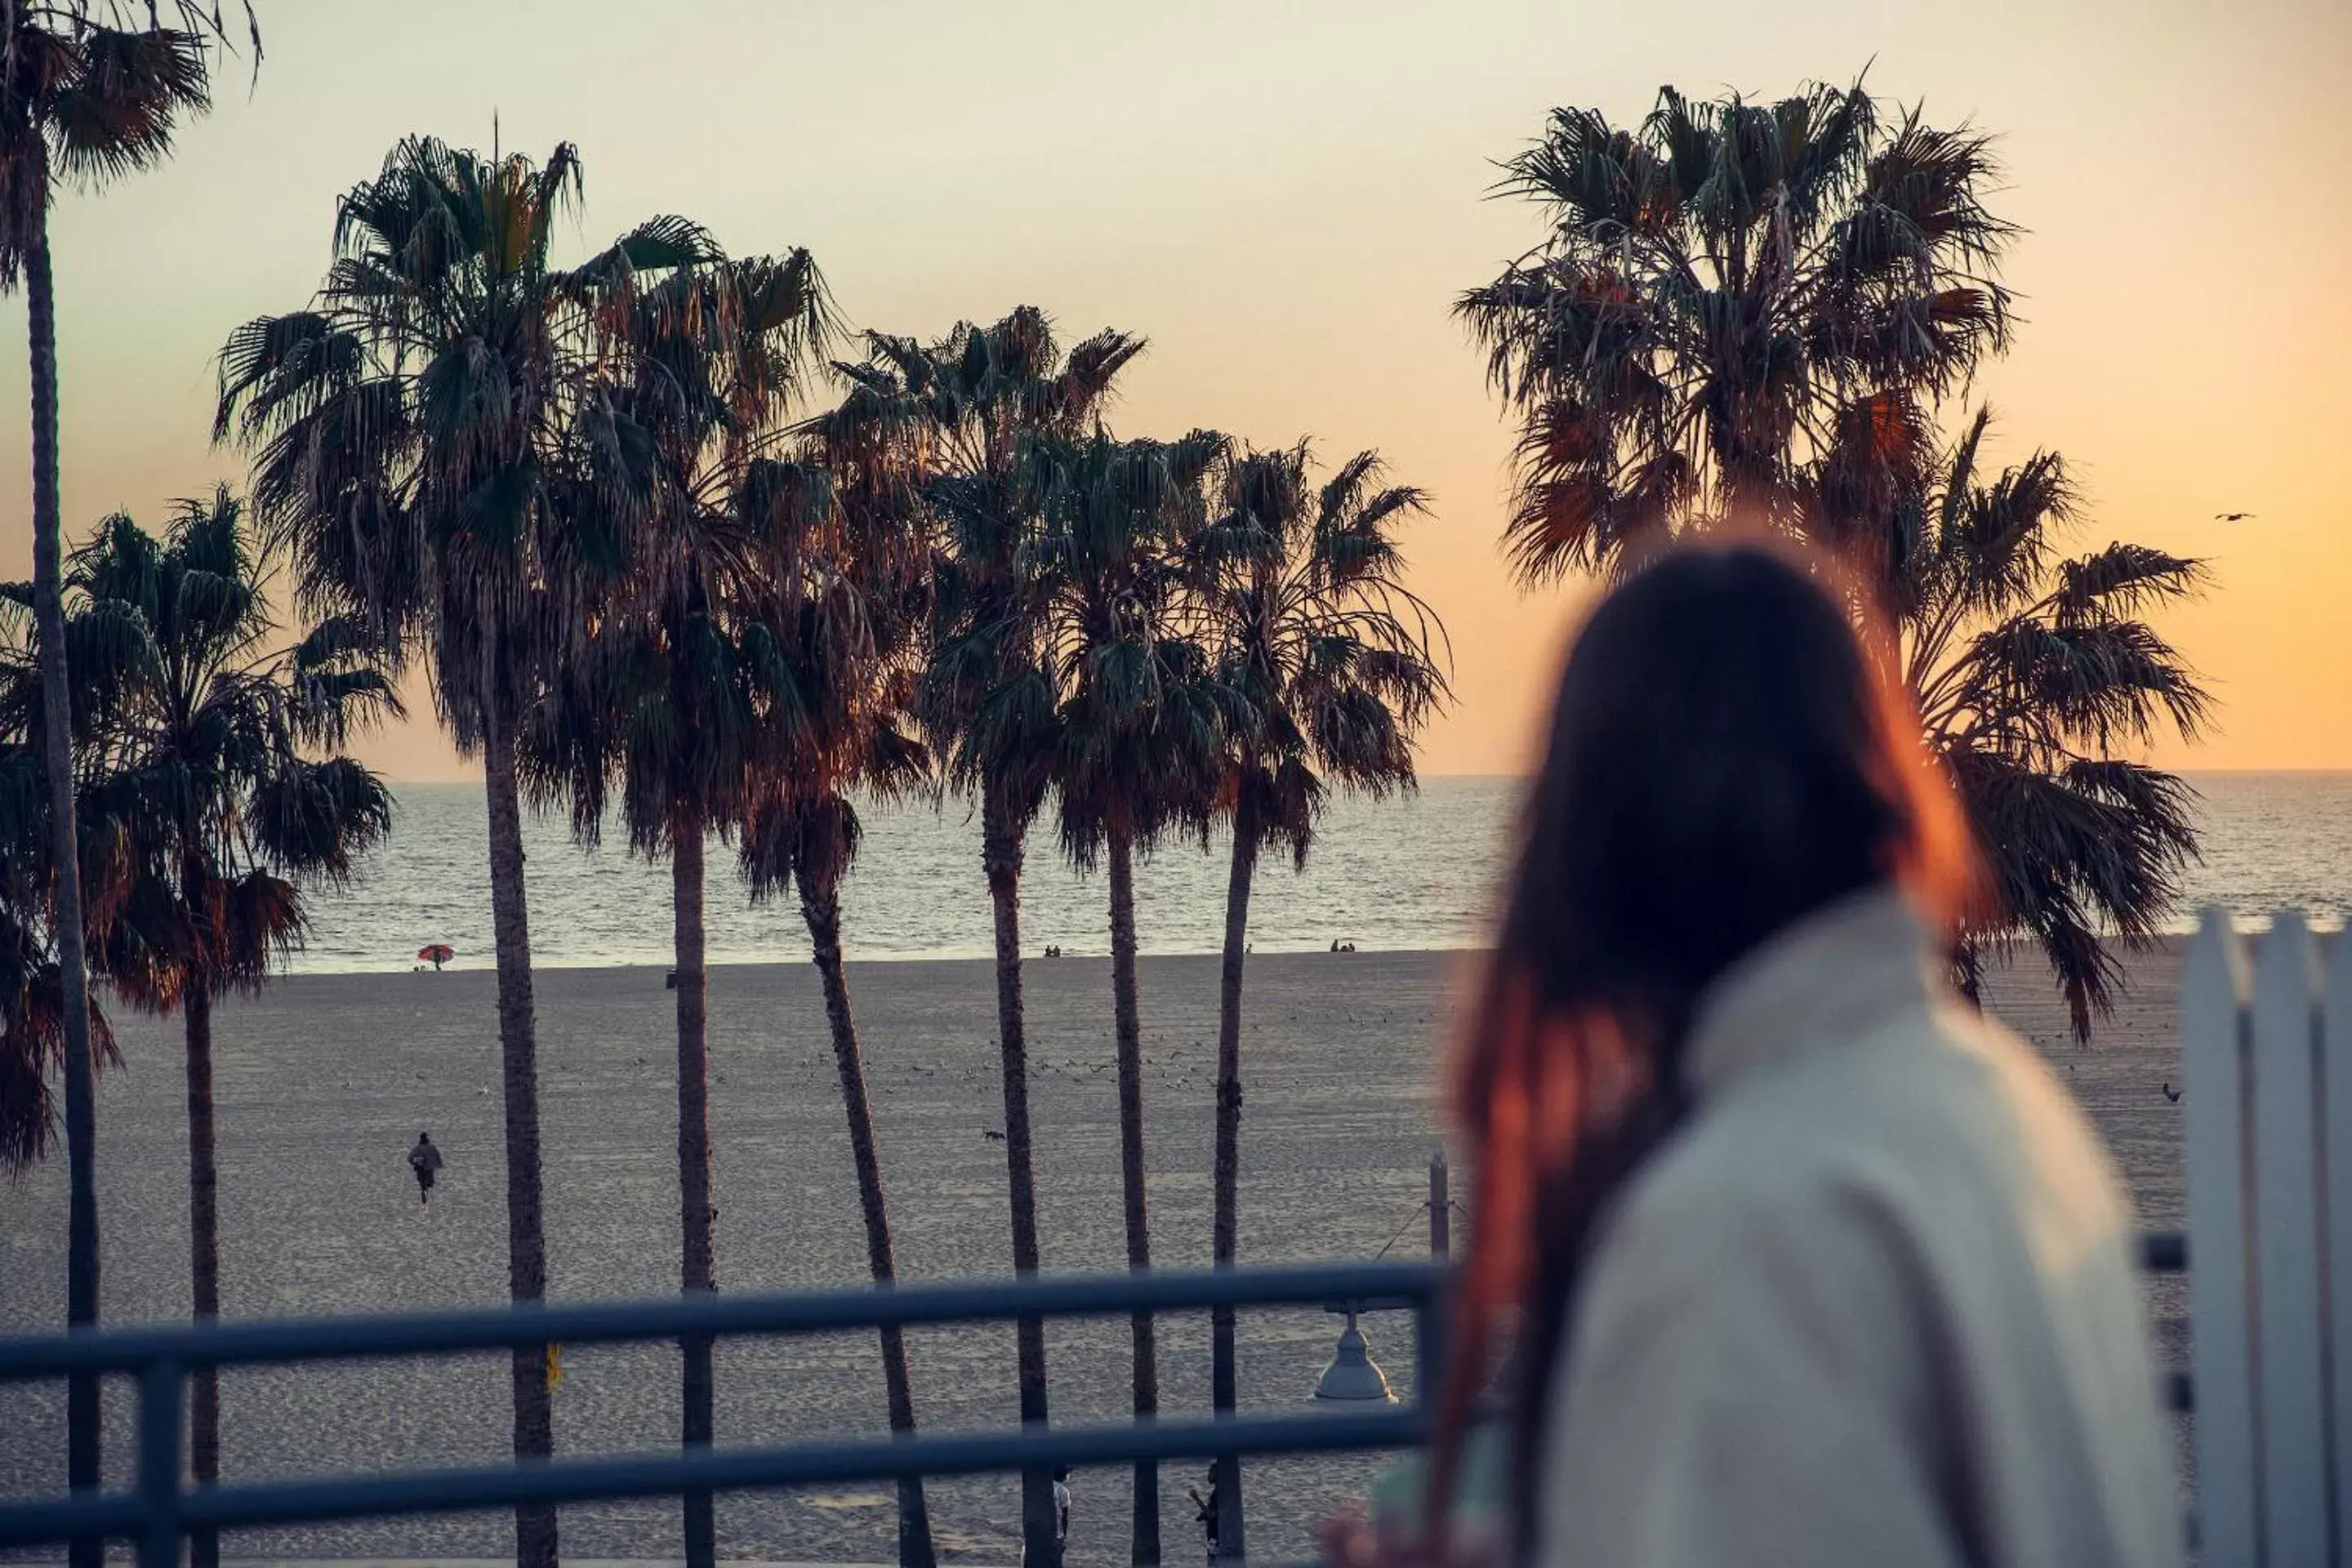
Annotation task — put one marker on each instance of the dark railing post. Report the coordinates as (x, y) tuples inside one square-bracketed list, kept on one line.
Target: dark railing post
[(160, 1417), (1429, 1320), (1441, 1209), (1429, 1349)]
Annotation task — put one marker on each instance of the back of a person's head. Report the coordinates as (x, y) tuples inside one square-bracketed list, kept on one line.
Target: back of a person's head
[(1726, 756), (1729, 754)]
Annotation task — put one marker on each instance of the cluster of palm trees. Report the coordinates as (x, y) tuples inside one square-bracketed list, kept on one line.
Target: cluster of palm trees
[(651, 579), (90, 92), (208, 794), (640, 579), (640, 582)]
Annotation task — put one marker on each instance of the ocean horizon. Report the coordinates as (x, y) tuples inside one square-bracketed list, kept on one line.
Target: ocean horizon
[(1408, 872)]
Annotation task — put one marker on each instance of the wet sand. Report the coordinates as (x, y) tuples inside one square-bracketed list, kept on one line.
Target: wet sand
[(324, 1081)]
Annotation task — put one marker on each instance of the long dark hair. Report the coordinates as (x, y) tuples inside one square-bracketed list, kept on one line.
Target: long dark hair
[(1728, 755)]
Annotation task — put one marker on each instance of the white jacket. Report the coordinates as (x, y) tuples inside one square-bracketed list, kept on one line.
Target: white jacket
[(1874, 1305)]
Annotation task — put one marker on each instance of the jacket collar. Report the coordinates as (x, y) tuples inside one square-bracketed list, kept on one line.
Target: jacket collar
[(1821, 982)]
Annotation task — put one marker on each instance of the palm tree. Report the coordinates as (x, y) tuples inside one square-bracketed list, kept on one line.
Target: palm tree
[(1139, 727), (199, 750), (32, 1021), (2032, 668), (1750, 314), (1718, 287), (437, 444), (1329, 667), (88, 98), (710, 354), (32, 989), (840, 629), (956, 413)]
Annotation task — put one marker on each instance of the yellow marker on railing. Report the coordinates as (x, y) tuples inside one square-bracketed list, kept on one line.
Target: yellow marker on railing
[(555, 1366)]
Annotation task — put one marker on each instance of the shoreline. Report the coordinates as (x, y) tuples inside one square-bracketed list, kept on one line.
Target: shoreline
[(2173, 935)]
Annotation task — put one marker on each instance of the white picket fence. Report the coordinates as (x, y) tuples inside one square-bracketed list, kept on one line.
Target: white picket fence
[(2267, 1048)]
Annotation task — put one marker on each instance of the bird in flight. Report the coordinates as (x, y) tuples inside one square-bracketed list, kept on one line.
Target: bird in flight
[(2232, 516)]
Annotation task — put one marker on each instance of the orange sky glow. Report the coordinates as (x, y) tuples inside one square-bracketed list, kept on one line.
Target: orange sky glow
[(1284, 198)]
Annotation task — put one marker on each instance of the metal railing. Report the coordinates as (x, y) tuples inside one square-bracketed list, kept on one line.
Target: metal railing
[(162, 1508)]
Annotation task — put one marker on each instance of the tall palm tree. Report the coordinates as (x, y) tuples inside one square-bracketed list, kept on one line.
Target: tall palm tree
[(1328, 664), (708, 354), (32, 987), (1753, 314), (32, 1006), (1137, 728), (201, 748), (956, 413), (1718, 285), (839, 629), (91, 91), (434, 441)]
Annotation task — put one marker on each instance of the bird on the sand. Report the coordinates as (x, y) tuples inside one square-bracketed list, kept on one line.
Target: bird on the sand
[(2232, 516), (992, 1134), (2171, 1093)]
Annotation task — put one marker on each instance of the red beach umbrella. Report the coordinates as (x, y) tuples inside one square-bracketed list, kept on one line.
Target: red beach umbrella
[(436, 954)]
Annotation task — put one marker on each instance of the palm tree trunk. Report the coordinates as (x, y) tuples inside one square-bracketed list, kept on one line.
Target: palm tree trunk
[(534, 1434), (1001, 859), (1226, 1224), (821, 907), (1128, 1021), (203, 1254), (73, 976), (697, 1272)]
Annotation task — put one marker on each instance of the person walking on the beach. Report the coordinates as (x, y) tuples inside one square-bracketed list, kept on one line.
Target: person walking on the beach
[(1811, 1262), (425, 1159)]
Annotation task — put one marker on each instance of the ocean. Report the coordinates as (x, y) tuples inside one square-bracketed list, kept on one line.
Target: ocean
[(1419, 871)]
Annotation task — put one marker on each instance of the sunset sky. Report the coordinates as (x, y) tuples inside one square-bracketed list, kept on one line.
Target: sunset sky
[(1284, 198)]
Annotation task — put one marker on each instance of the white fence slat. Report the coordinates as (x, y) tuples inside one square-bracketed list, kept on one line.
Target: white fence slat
[(2213, 994), (2335, 1152), (2291, 1404)]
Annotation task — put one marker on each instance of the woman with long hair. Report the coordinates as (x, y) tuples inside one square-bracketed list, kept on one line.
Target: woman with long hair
[(1783, 1255)]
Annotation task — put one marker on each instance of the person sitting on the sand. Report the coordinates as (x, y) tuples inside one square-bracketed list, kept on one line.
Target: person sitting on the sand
[(425, 1159)]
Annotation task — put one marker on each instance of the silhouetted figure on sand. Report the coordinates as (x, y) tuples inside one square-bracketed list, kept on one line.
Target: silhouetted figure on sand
[(425, 1159), (1204, 1513)]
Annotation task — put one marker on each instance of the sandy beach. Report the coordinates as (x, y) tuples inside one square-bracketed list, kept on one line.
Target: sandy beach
[(324, 1081)]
